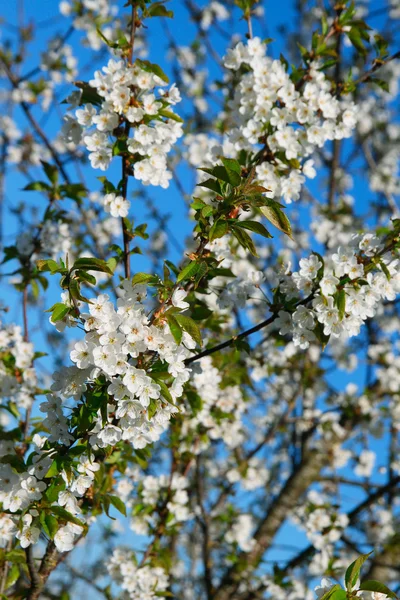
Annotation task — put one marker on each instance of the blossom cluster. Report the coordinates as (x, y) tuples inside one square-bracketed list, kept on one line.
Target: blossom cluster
[(323, 523), (160, 490), (23, 491), (21, 150), (344, 296), (272, 114), (18, 377), (241, 533), (207, 381), (127, 99), (89, 15), (116, 340), (138, 582)]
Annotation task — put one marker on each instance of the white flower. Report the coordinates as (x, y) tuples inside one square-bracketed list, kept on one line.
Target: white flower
[(82, 354), (64, 539), (67, 499), (178, 299), (328, 284), (33, 487), (309, 267), (325, 586), (29, 535), (303, 318)]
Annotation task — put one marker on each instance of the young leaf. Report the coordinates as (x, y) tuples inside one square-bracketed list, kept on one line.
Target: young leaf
[(118, 504), (353, 571), (51, 172), (231, 164), (341, 303), (67, 516), (218, 230), (211, 184), (59, 312), (157, 9), (142, 278), (254, 226), (168, 114), (335, 593), (92, 264), (165, 393), (190, 327), (376, 586), (152, 68), (37, 186), (189, 271), (49, 524), (175, 328), (244, 239), (277, 217), (48, 265)]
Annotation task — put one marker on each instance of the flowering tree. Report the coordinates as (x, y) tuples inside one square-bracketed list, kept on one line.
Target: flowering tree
[(211, 408)]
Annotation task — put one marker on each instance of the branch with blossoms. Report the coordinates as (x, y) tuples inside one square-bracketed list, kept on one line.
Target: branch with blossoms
[(165, 414)]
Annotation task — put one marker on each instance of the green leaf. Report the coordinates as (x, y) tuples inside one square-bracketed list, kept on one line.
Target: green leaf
[(120, 147), (152, 68), (174, 328), (218, 230), (51, 172), (89, 94), (190, 327), (224, 174), (376, 586), (384, 85), (112, 263), (53, 490), (107, 185), (165, 393), (355, 38), (59, 312), (277, 217), (231, 164), (12, 576), (105, 501), (168, 114), (157, 9), (189, 271), (254, 226), (195, 401), (67, 516), (198, 204), (142, 278), (118, 504), (385, 270), (48, 265), (211, 184), (87, 277), (335, 593), (49, 524), (353, 571), (244, 239), (152, 408), (75, 191), (341, 303), (200, 273), (75, 291), (92, 264), (37, 186), (16, 556), (10, 252), (207, 210)]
